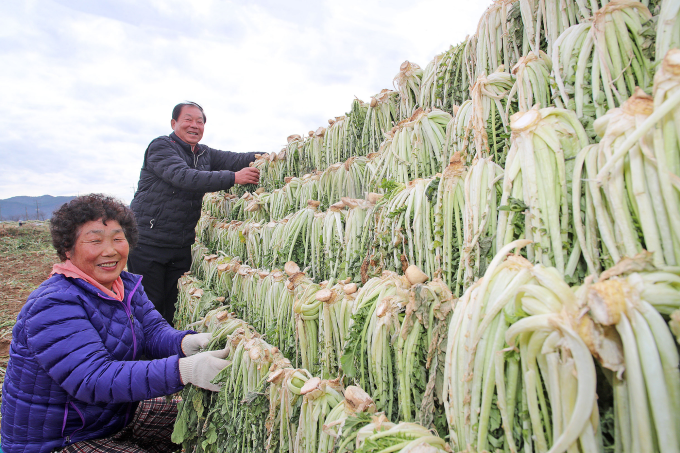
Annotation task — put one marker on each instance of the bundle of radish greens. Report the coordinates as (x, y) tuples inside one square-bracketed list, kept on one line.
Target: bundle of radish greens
[(484, 259)]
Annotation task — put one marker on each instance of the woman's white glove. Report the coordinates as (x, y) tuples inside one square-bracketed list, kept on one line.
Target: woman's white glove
[(201, 368), (193, 343)]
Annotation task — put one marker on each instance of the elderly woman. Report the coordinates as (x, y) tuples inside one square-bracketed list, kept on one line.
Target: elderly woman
[(88, 346)]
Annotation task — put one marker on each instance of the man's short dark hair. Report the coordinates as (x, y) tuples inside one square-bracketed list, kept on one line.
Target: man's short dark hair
[(178, 110), (70, 216)]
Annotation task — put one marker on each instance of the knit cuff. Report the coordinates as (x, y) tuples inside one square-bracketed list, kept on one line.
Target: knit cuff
[(181, 345), (186, 367)]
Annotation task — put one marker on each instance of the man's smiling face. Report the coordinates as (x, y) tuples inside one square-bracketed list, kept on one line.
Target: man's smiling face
[(190, 124)]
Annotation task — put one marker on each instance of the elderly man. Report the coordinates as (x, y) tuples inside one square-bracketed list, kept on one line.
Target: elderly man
[(175, 175)]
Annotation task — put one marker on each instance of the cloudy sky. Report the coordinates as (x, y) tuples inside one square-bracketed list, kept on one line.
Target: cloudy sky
[(85, 85)]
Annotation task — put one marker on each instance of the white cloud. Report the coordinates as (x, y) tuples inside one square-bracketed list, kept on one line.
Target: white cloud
[(87, 85)]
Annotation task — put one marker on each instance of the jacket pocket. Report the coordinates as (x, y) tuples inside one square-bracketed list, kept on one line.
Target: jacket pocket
[(155, 217), (68, 438)]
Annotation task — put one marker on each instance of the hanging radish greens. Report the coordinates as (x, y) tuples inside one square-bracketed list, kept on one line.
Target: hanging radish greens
[(486, 258)]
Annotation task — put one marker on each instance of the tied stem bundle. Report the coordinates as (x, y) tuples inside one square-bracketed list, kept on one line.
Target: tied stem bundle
[(630, 183), (493, 45), (307, 311), (453, 83), (480, 214), (313, 151), (545, 21), (429, 94), (319, 399), (334, 321), (393, 341), (668, 28), (536, 203), (414, 148), (627, 334), (537, 397), (376, 434), (481, 126), (598, 64), (448, 231), (532, 82), (407, 81), (403, 228), (382, 115), (285, 401)]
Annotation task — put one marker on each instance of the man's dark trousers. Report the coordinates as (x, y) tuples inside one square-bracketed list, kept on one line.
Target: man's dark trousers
[(161, 268)]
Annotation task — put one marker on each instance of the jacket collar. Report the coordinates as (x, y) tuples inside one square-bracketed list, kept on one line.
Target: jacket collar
[(129, 282)]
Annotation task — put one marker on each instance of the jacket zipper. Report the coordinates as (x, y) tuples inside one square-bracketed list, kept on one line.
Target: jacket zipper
[(128, 311), (134, 336), (67, 439), (196, 156)]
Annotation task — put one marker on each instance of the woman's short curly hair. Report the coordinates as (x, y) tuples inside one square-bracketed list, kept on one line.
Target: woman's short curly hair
[(71, 216)]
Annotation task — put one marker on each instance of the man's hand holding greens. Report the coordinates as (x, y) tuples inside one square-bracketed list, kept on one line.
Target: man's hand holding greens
[(248, 175)]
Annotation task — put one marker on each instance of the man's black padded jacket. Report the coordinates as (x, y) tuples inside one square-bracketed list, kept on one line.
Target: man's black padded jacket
[(171, 186)]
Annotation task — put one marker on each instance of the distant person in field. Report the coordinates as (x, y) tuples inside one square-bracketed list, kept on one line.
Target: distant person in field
[(175, 175), (90, 356)]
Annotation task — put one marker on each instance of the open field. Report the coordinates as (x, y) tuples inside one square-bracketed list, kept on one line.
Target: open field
[(26, 259)]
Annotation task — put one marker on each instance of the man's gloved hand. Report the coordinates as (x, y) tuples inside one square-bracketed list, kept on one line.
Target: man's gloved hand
[(193, 343), (201, 368), (247, 175)]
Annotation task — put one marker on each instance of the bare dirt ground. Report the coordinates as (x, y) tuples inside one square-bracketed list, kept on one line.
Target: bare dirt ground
[(26, 259)]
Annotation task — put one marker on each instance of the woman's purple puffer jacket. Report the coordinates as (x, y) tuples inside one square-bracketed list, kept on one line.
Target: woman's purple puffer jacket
[(80, 361)]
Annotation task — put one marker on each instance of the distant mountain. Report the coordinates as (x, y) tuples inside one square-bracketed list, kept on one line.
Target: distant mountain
[(41, 208)]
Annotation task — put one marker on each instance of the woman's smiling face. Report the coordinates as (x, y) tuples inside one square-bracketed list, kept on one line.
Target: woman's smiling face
[(101, 251)]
